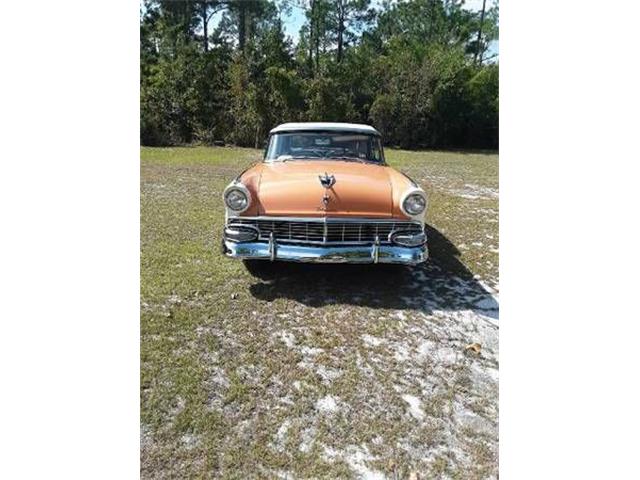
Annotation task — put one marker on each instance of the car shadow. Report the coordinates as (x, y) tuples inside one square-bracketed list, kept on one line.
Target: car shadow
[(443, 283)]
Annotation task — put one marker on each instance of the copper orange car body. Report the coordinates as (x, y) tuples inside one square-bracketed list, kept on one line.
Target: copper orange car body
[(347, 205)]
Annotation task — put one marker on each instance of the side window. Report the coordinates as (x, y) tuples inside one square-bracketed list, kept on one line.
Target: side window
[(376, 151)]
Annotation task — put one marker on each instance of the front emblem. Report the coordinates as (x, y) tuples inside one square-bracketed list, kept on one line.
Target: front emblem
[(327, 181)]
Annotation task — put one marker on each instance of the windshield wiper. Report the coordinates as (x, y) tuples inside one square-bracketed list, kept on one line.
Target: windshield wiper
[(284, 158), (347, 159)]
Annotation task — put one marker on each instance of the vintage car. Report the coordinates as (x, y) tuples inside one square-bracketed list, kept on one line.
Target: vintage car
[(323, 193)]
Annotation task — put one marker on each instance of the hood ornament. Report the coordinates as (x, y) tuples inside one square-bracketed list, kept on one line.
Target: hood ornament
[(327, 181)]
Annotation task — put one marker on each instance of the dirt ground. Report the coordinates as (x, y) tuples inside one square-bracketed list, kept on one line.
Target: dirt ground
[(317, 371)]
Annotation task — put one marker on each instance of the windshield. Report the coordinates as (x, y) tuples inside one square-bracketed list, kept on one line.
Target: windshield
[(347, 146)]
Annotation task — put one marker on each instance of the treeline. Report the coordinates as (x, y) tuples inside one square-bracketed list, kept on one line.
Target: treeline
[(224, 71)]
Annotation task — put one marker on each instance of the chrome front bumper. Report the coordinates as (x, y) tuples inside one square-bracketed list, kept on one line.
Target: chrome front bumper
[(374, 253)]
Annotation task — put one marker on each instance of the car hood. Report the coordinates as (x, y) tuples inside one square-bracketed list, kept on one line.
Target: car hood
[(293, 188)]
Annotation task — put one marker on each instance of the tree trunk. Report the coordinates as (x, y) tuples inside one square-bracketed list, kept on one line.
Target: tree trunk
[(478, 52), (431, 20), (257, 138), (340, 30), (242, 26), (312, 5), (316, 22), (205, 29)]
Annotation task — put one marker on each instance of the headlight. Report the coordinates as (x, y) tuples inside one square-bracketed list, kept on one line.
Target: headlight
[(236, 199), (414, 204)]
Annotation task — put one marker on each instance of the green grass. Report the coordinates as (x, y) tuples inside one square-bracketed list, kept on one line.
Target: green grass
[(233, 362)]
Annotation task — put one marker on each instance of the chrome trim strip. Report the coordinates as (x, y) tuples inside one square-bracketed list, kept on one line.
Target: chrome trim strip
[(272, 247), (328, 219), (320, 243), (376, 250)]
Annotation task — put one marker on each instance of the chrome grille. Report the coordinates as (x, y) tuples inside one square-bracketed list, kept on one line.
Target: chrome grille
[(333, 230)]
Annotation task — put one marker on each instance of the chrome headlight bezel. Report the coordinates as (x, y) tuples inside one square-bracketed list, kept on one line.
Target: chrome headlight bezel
[(240, 191), (415, 193)]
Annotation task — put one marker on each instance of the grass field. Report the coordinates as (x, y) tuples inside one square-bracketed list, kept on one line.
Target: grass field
[(317, 371)]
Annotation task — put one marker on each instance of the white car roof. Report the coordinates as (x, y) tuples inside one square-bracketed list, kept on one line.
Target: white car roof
[(325, 126)]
